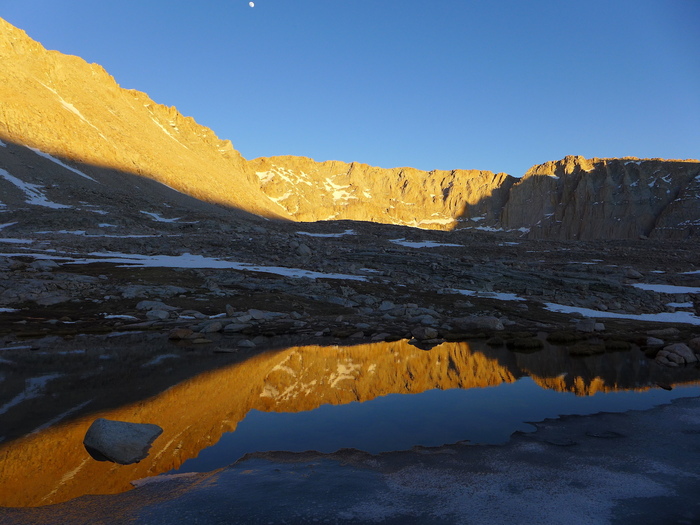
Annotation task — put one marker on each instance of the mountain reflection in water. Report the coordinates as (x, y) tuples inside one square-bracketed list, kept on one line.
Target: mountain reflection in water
[(52, 465)]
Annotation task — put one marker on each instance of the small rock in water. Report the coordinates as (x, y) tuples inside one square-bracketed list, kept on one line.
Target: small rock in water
[(119, 441), (423, 333), (682, 351)]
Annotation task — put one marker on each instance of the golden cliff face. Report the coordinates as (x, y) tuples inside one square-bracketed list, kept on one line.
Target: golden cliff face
[(313, 191), (52, 465), (76, 111)]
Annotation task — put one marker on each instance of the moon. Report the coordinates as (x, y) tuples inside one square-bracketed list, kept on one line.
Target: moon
[(251, 4)]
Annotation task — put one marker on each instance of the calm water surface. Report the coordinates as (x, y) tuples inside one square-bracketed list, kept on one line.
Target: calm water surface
[(372, 397), (433, 418)]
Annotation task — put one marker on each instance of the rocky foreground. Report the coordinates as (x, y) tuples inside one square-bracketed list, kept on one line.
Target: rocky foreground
[(346, 280)]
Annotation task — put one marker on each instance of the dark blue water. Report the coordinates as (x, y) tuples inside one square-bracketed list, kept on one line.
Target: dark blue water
[(433, 418)]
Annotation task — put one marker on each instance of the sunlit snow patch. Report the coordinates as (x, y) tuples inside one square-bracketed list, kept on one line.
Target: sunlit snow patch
[(421, 244), (54, 159), (663, 317), (346, 232)]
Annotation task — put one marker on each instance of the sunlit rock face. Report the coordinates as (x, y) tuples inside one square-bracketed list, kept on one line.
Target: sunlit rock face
[(578, 198), (52, 465), (77, 112), (68, 108), (444, 200)]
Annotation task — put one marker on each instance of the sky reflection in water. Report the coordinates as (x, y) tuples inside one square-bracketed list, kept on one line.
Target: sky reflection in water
[(432, 418)]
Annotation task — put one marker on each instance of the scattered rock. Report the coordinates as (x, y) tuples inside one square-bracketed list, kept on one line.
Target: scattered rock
[(258, 315), (679, 353), (119, 441), (44, 265), (423, 333), (631, 273), (246, 343), (154, 305), (586, 325), (212, 327), (478, 322), (180, 333), (386, 305), (157, 315), (664, 332), (235, 327), (304, 250), (694, 344), (193, 314)]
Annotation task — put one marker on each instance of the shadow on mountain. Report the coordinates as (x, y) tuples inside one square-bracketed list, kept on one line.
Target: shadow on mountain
[(43, 193), (599, 199)]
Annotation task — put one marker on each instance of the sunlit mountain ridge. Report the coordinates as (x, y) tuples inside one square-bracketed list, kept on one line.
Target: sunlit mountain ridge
[(76, 111)]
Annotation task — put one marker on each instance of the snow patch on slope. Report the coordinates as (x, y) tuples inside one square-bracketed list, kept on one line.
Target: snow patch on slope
[(33, 192)]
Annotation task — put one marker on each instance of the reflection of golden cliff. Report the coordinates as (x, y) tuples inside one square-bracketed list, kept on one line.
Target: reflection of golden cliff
[(52, 466)]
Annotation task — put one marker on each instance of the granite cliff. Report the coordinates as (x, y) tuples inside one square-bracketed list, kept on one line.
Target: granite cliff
[(62, 106), (578, 198), (311, 191)]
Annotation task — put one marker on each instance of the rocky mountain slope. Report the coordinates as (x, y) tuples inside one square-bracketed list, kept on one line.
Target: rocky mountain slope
[(579, 198), (65, 107), (58, 110), (312, 191)]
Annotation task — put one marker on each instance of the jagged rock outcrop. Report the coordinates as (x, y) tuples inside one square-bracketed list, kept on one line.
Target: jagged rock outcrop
[(578, 198), (312, 191)]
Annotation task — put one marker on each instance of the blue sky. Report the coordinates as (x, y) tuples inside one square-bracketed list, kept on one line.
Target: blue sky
[(497, 85)]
